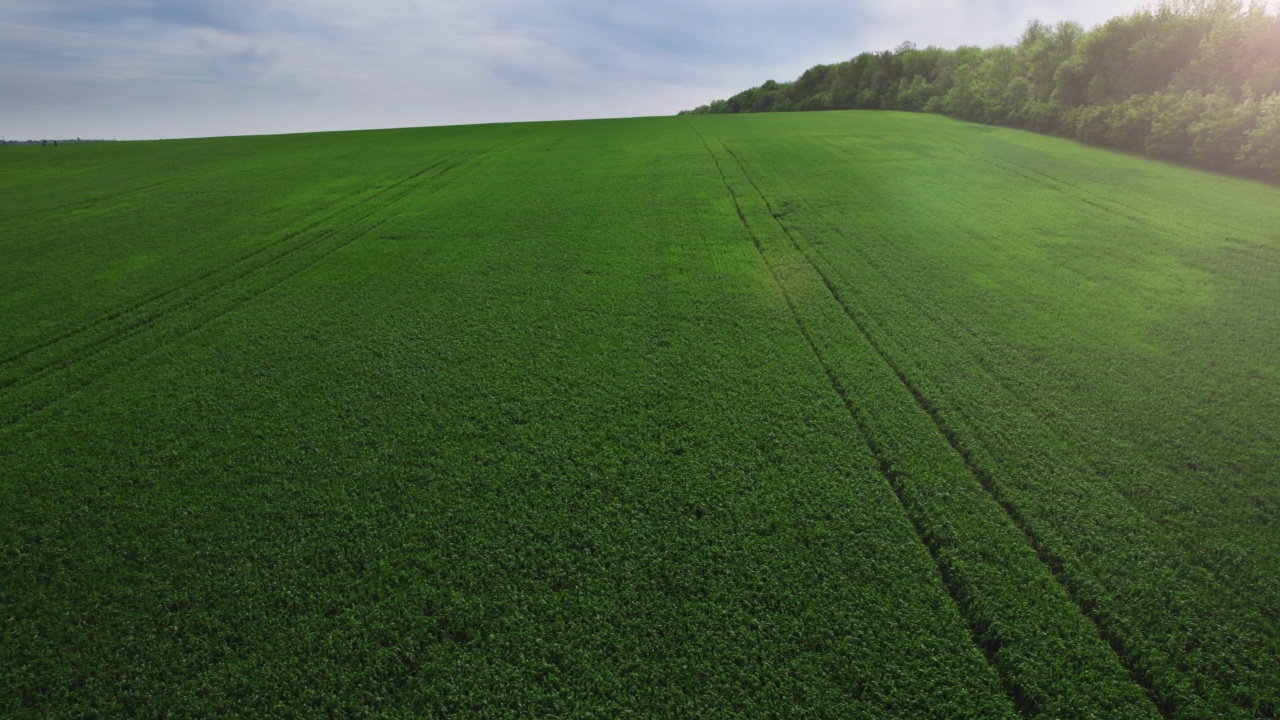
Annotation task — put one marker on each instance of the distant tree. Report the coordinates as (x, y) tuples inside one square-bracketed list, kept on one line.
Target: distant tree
[(1171, 119), (1222, 129), (1261, 150)]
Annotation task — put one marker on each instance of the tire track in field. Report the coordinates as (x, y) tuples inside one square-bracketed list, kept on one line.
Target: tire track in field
[(1101, 202), (189, 175), (111, 364), (1084, 586), (971, 350), (14, 408), (1070, 192), (238, 268), (1139, 674), (887, 472), (1106, 204), (1143, 652), (253, 256), (24, 213), (139, 317)]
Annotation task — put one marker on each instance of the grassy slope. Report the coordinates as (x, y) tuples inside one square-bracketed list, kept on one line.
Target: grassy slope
[(1097, 336), (835, 413), (486, 438)]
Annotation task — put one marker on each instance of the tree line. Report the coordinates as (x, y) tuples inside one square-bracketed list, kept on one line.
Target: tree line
[(46, 142), (1196, 81)]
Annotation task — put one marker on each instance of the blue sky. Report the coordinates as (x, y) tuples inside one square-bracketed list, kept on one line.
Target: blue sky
[(170, 68)]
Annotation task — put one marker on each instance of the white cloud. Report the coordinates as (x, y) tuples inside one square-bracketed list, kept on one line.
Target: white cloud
[(950, 23)]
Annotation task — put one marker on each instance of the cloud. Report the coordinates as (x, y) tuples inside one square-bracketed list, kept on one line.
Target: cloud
[(149, 68), (951, 23), (224, 15)]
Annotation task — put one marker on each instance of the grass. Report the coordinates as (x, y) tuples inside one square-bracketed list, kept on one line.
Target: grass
[(834, 415)]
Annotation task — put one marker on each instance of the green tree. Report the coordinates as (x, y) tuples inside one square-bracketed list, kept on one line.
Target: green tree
[(1222, 129), (1261, 150)]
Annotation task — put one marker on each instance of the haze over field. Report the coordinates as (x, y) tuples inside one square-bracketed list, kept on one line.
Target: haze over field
[(163, 68)]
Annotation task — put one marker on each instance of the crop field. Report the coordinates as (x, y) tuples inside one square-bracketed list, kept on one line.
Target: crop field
[(847, 415)]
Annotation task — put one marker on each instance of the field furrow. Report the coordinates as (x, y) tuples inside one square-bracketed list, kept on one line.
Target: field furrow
[(1048, 653), (974, 470), (291, 241), (511, 457), (837, 415), (76, 360), (955, 588), (1150, 595)]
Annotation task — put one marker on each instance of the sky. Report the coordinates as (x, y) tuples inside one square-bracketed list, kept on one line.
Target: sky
[(136, 69)]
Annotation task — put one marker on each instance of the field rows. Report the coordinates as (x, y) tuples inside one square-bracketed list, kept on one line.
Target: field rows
[(1047, 653), (831, 415), (34, 378), (1149, 601)]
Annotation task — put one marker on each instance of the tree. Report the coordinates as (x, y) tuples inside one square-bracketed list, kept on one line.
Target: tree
[(1222, 130), (1261, 150)]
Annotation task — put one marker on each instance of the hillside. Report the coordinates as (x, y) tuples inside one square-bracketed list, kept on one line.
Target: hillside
[(1195, 82), (842, 414)]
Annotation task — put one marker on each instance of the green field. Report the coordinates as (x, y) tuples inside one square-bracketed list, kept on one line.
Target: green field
[(791, 415)]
